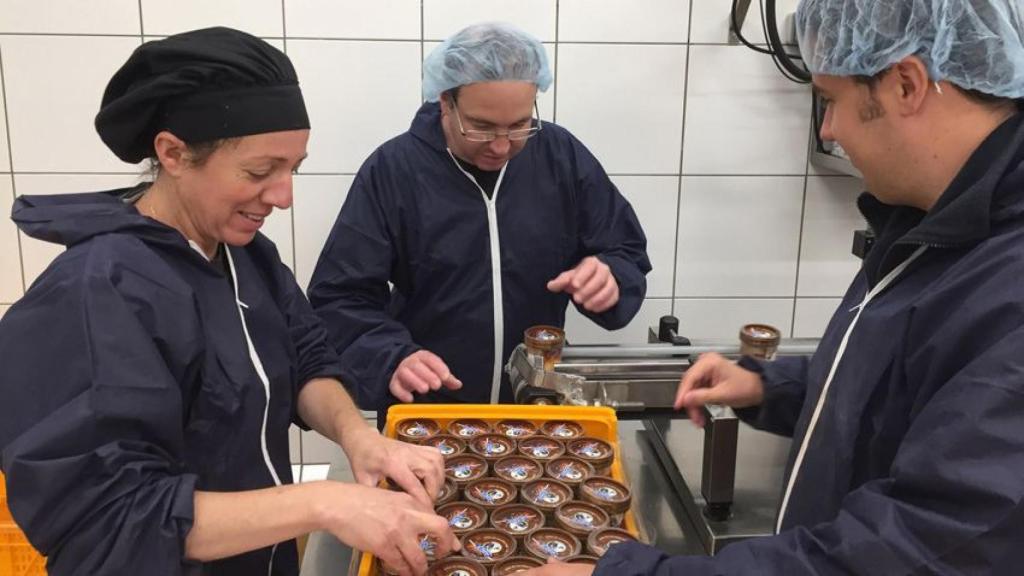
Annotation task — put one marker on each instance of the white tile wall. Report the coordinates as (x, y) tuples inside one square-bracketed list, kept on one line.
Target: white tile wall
[(625, 72), (812, 316), (710, 23), (604, 97), (319, 450), (318, 200), (10, 257), (738, 236), (581, 330), (312, 472), (742, 116), (278, 227), (294, 448), (442, 18), (654, 200), (722, 318), (276, 43), (257, 17), (358, 95), (380, 19), (37, 254), (70, 17), (830, 217), (54, 85), (618, 21), (47, 184)]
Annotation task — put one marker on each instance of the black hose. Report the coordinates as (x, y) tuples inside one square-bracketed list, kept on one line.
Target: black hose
[(778, 48), (773, 50), (775, 59), (739, 33)]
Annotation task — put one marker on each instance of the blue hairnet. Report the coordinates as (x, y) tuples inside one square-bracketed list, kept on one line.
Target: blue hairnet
[(974, 44), (485, 53)]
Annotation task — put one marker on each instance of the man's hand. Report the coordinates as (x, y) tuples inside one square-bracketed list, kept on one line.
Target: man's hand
[(715, 379), (421, 372), (591, 285)]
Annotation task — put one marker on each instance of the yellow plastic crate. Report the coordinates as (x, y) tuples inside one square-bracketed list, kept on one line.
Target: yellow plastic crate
[(596, 421), (17, 556), (5, 513)]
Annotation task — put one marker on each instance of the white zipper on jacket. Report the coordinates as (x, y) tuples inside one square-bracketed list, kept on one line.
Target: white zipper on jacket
[(882, 285), (499, 315), (258, 365)]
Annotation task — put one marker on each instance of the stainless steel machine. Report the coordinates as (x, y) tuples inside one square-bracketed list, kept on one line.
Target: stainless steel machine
[(727, 476), (694, 490)]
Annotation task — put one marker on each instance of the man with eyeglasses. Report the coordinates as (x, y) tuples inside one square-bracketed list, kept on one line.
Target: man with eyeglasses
[(477, 223)]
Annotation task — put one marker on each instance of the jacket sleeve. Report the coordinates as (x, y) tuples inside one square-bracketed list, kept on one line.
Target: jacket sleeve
[(785, 386), (349, 291), (610, 230), (953, 502), (91, 426)]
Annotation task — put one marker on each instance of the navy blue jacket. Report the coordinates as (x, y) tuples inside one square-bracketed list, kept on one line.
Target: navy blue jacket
[(916, 465), (127, 384), (414, 219)]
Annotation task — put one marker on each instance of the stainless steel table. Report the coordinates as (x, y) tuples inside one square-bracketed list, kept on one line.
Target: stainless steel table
[(659, 510)]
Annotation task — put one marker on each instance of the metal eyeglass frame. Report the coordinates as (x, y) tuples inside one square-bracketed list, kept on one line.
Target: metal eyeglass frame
[(491, 136)]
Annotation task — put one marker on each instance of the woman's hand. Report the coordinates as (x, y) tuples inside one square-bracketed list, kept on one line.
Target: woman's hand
[(390, 525), (419, 470)]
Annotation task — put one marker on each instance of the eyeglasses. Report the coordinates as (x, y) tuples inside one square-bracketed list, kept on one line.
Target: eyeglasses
[(491, 135)]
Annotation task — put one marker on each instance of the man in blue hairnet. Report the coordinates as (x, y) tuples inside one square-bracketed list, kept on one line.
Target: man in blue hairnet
[(908, 422), (477, 223)]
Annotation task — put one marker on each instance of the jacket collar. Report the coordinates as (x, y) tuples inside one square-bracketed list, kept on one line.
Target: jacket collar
[(426, 126)]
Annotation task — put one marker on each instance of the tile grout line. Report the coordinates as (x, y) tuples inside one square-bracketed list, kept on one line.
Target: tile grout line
[(689, 298), (682, 152), (557, 43), (554, 96), (754, 297), (799, 252), (291, 213), (284, 26), (423, 43), (142, 26), (10, 160), (327, 173), (800, 237), (7, 119), (291, 216), (423, 38)]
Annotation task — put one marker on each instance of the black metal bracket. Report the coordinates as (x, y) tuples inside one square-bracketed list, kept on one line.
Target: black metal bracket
[(863, 240), (718, 474), (668, 331)]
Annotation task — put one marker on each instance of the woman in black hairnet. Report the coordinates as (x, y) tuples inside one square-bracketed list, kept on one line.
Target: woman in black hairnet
[(150, 375)]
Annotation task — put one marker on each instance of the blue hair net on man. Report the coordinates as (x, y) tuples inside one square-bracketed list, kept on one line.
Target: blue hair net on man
[(486, 52), (974, 44)]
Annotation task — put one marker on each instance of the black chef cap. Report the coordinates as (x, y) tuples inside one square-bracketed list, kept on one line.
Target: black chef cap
[(201, 85)]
